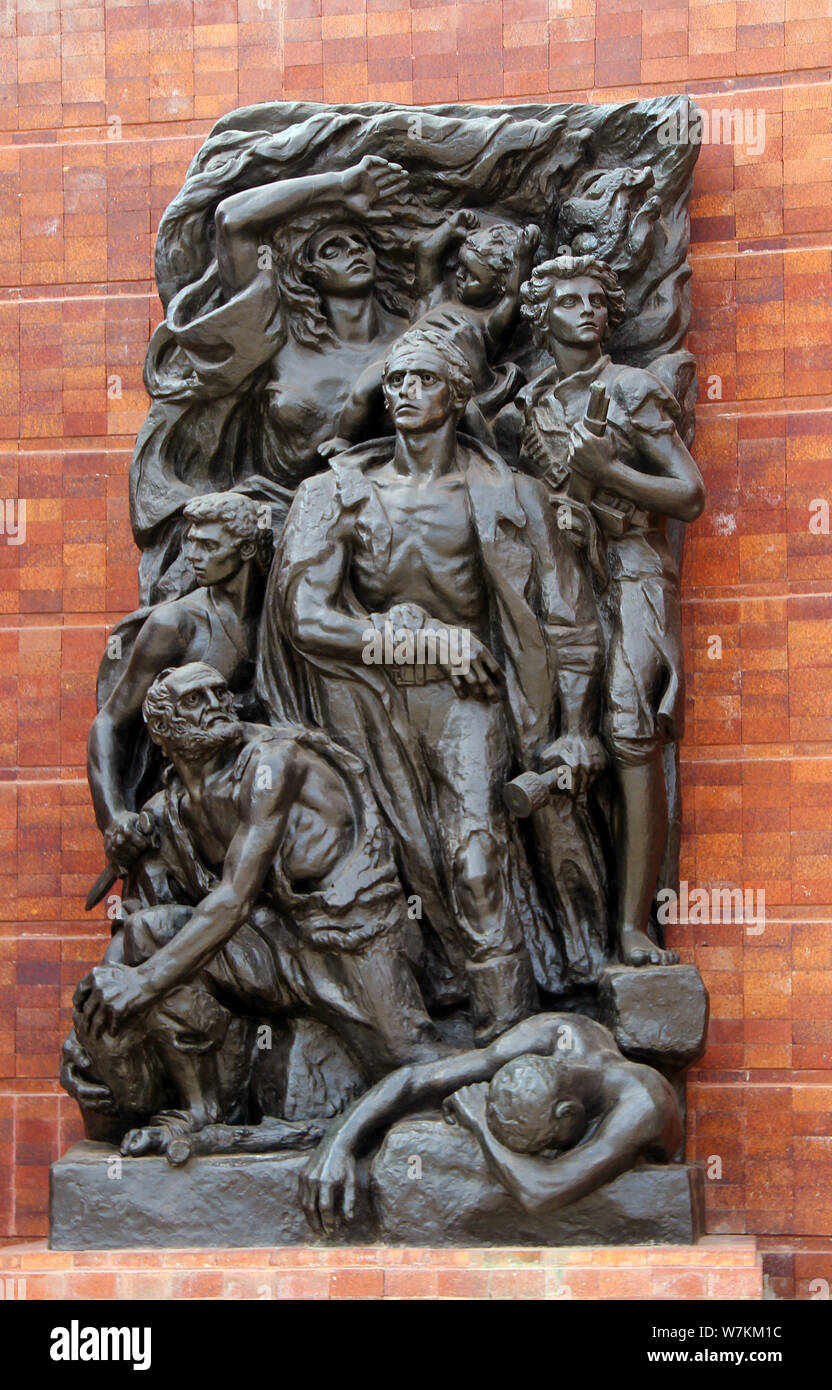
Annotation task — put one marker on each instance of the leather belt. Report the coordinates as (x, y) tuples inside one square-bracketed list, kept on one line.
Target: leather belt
[(617, 517), (416, 675)]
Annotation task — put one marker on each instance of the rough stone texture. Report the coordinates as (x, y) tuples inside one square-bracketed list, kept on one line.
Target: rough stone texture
[(233, 1200), (307, 1074), (657, 1014), (454, 1190), (252, 1200)]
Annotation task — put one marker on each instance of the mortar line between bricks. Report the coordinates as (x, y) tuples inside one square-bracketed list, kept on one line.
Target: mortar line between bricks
[(18, 931), (745, 598), (13, 1175), (802, 77), (88, 289), (752, 408), (103, 446), (80, 780), (763, 407), (752, 82), (100, 289), (730, 249), (688, 761)]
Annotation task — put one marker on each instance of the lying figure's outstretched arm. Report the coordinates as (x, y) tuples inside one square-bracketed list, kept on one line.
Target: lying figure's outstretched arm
[(328, 1184)]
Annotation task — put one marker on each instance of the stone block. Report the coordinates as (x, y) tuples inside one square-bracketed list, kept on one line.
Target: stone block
[(657, 1014), (241, 1200), (450, 1197)]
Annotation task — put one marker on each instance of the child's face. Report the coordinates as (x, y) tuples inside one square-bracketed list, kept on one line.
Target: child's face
[(476, 283)]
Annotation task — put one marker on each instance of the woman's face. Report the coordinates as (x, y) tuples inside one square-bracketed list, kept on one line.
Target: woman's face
[(341, 261)]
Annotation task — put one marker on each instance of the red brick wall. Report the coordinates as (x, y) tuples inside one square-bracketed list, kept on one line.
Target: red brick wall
[(101, 109)]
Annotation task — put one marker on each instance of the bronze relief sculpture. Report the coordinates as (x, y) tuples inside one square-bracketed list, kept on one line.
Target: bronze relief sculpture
[(387, 760)]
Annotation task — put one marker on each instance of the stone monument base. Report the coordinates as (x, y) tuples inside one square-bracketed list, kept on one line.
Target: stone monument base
[(101, 1202)]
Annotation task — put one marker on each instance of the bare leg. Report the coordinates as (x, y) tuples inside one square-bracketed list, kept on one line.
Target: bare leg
[(641, 839), (186, 1030)]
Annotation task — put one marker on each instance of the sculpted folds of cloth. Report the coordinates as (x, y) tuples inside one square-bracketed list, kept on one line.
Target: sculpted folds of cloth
[(387, 761)]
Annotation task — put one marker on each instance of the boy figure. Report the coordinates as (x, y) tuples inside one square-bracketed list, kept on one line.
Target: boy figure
[(639, 472), (229, 552), (477, 311), (492, 263)]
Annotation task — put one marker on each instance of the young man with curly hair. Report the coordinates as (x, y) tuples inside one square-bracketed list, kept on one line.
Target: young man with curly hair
[(636, 473), (229, 551)]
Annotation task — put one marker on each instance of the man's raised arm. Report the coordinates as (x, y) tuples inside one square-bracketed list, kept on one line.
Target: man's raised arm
[(161, 642)]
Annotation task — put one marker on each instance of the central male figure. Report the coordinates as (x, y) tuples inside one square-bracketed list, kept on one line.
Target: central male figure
[(431, 530)]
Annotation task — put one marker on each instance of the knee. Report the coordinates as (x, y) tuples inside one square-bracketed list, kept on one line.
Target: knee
[(478, 875), (149, 929)]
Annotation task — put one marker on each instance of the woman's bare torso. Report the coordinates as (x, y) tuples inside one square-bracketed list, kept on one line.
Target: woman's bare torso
[(307, 390)]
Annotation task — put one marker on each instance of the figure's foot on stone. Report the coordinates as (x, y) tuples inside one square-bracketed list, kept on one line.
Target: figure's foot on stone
[(170, 1133), (637, 949)]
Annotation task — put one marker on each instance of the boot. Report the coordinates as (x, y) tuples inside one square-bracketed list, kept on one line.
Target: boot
[(502, 992)]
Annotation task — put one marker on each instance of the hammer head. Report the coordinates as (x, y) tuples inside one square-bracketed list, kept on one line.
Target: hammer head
[(525, 794), (179, 1151)]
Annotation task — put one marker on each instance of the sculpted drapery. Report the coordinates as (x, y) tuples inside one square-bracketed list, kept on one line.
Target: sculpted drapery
[(386, 762)]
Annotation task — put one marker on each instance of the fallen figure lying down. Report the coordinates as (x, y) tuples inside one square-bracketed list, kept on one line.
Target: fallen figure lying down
[(556, 1109)]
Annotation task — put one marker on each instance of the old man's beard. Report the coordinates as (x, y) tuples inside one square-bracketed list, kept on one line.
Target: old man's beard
[(192, 743)]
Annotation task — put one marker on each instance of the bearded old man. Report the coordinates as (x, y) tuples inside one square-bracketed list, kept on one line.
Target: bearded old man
[(275, 891)]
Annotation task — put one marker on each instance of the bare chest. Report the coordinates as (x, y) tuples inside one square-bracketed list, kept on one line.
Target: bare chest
[(212, 818), (417, 542)]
